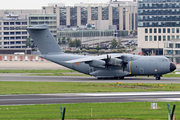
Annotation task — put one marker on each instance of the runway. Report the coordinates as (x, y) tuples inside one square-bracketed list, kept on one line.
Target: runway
[(22, 77), (88, 97)]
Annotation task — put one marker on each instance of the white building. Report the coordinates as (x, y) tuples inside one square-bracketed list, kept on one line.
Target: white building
[(158, 22), (13, 24)]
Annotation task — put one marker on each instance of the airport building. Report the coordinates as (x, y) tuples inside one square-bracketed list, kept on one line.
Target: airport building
[(158, 23), (49, 19), (172, 50), (122, 14), (107, 17), (13, 24)]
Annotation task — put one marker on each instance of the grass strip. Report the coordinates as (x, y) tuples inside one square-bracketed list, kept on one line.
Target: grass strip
[(57, 74), (133, 111), (37, 71), (20, 87)]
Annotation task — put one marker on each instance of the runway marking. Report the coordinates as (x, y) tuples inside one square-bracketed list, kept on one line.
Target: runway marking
[(131, 93), (170, 99)]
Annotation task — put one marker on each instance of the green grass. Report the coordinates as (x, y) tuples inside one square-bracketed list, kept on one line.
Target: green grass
[(134, 110), (58, 74), (37, 71), (76, 87)]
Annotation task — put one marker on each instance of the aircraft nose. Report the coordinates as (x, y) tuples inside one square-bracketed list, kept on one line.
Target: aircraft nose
[(172, 67)]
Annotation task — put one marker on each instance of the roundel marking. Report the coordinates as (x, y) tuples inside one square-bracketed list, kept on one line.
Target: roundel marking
[(77, 63)]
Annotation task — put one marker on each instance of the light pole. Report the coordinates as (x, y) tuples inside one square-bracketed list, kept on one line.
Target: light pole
[(158, 46), (99, 37), (82, 38)]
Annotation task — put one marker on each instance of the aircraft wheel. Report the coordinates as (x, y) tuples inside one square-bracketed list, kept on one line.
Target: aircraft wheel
[(121, 77), (158, 78)]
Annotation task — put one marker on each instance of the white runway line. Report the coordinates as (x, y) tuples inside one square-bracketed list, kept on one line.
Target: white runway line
[(131, 93), (170, 99)]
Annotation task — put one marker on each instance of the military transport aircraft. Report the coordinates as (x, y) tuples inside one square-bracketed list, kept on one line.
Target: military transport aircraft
[(116, 66)]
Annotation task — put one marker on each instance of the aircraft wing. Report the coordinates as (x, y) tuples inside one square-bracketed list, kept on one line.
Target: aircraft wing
[(80, 60), (89, 58)]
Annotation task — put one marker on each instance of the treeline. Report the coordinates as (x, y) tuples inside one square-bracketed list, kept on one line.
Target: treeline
[(68, 40)]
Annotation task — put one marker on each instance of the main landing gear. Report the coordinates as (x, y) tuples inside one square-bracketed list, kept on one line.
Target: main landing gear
[(111, 78), (158, 77)]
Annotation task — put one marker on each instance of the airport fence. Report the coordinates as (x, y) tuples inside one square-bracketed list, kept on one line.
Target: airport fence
[(20, 57)]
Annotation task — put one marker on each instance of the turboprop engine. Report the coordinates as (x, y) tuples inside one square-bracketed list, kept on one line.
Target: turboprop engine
[(116, 61), (97, 63)]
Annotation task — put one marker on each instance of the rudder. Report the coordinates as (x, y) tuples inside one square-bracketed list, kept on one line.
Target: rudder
[(43, 39)]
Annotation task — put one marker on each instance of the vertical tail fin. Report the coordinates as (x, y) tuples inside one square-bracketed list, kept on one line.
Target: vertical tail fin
[(43, 39)]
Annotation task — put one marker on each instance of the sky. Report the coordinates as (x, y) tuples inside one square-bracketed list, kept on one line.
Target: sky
[(37, 4)]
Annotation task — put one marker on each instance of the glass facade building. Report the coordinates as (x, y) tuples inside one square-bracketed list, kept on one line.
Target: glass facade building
[(94, 13), (62, 15), (73, 16), (115, 18), (105, 13), (158, 13), (83, 15), (49, 19), (85, 33)]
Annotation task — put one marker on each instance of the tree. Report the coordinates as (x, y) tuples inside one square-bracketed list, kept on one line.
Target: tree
[(101, 51), (121, 50), (75, 51), (113, 43), (67, 51), (30, 43), (97, 47), (72, 43), (64, 40), (92, 51), (114, 51), (84, 50), (77, 42), (59, 41), (68, 39)]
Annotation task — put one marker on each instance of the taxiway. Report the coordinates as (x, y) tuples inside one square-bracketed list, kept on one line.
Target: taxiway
[(22, 77)]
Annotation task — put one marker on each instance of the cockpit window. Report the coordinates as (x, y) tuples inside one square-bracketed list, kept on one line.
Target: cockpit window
[(165, 60)]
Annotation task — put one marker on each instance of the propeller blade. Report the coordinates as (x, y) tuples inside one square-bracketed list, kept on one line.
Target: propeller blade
[(124, 63), (108, 61)]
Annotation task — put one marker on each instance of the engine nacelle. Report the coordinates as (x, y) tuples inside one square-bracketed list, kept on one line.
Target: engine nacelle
[(96, 63), (116, 61)]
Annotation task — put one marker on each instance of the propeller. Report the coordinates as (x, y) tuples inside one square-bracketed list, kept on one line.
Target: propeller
[(124, 63), (108, 61)]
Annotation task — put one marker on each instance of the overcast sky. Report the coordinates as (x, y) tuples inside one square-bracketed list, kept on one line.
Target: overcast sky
[(37, 4)]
